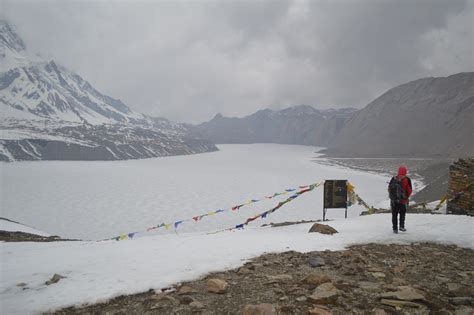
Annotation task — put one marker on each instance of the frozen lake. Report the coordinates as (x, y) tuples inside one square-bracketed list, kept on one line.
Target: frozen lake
[(94, 200)]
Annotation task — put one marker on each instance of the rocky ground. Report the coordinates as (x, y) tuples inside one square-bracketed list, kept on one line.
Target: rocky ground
[(421, 278)]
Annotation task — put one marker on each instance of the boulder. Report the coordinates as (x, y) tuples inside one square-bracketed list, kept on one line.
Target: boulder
[(458, 289), (399, 304), (464, 311), (196, 305), (317, 278), (301, 298), (56, 277), (259, 309), (316, 261), (379, 275), (280, 278), (322, 228), (186, 290), (319, 311), (217, 286), (405, 293), (462, 300), (326, 293), (244, 271), (186, 299), (369, 286)]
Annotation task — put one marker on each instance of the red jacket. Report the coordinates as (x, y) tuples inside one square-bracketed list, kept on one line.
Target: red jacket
[(406, 183)]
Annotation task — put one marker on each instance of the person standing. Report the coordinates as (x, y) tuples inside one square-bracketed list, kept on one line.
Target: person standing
[(399, 190)]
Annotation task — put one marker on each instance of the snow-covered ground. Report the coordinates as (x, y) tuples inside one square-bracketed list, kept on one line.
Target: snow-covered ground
[(95, 200), (97, 271)]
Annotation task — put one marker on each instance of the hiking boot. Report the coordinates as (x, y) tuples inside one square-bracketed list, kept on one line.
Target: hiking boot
[(395, 231), (403, 229)]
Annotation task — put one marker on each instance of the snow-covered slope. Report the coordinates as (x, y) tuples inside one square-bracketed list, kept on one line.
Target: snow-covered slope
[(12, 48), (51, 91), (50, 112)]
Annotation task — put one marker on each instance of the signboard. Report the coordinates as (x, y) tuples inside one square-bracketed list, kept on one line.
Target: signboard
[(335, 195)]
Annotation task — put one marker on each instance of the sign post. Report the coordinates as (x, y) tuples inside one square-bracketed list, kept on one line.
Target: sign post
[(335, 196)]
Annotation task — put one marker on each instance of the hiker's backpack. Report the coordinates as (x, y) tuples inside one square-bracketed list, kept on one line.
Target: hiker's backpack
[(395, 190)]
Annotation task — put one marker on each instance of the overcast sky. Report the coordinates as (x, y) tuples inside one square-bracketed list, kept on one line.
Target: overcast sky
[(188, 60)]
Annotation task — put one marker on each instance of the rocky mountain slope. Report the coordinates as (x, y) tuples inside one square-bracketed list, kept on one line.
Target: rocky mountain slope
[(301, 124), (427, 117), (50, 112), (430, 117)]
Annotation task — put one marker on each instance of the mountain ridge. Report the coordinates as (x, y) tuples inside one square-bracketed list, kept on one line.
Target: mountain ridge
[(302, 124), (427, 117)]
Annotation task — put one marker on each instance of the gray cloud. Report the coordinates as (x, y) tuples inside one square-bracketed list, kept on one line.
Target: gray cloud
[(189, 60)]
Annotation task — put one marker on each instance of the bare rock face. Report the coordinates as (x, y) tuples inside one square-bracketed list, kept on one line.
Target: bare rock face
[(426, 117), (217, 286), (322, 228), (259, 309)]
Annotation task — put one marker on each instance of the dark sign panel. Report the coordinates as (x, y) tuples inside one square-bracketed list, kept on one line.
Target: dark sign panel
[(335, 194)]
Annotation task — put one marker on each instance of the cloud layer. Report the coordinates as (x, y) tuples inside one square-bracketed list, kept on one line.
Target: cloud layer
[(189, 60)]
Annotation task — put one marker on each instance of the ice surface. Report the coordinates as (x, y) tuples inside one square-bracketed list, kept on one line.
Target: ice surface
[(92, 200)]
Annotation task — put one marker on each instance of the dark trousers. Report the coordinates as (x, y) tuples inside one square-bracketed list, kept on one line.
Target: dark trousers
[(396, 209)]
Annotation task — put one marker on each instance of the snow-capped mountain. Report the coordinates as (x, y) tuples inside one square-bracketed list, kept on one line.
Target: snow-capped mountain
[(48, 90), (12, 48), (50, 112)]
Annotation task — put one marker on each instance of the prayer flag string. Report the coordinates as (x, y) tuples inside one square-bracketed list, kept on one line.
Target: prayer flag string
[(263, 215), (197, 218)]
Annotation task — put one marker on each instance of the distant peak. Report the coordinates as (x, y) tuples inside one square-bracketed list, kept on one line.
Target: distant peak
[(218, 116), (299, 109), (9, 38)]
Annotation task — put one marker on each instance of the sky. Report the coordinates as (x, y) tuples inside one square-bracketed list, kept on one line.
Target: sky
[(189, 60)]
